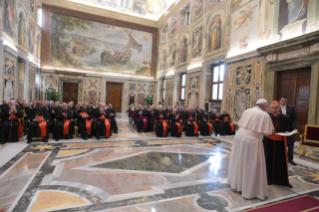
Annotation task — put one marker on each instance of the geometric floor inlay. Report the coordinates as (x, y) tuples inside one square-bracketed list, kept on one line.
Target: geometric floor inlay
[(157, 162)]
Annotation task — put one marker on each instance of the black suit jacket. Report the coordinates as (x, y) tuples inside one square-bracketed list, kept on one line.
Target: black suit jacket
[(291, 113)]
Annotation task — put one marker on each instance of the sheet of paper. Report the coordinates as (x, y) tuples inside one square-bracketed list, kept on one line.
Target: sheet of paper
[(290, 134)]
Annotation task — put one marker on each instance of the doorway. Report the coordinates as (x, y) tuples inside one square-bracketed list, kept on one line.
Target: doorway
[(295, 84), (70, 92), (114, 95)]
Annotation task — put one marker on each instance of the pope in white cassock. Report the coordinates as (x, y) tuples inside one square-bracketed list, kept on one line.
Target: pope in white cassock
[(247, 166)]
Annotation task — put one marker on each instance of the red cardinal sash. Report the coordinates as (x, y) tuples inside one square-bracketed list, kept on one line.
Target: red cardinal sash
[(42, 126), (275, 137), (210, 128), (20, 129), (178, 127), (230, 124), (107, 125), (66, 127), (164, 126), (88, 123), (144, 121), (195, 125)]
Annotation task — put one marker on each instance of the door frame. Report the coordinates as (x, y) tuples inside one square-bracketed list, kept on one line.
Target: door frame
[(123, 86), (76, 81), (299, 52)]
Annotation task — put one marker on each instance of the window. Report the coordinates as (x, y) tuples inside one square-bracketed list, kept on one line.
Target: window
[(39, 16), (183, 87), (186, 16), (217, 82)]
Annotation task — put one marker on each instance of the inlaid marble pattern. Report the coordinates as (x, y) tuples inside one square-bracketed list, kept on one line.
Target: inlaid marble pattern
[(134, 175), (161, 162)]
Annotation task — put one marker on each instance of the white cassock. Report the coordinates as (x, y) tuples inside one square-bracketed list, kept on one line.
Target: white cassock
[(247, 166)]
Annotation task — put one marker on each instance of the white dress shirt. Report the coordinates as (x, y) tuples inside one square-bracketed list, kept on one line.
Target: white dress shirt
[(284, 109)]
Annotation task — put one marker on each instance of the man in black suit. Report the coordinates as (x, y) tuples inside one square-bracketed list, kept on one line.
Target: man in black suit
[(289, 111)]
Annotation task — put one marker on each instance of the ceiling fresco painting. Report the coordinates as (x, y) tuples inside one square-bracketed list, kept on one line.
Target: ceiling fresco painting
[(149, 9)]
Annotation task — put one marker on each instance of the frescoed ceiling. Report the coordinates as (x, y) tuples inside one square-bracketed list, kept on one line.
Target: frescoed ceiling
[(148, 9)]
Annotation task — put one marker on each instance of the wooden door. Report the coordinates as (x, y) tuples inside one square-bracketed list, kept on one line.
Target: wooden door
[(114, 95), (70, 92), (295, 84)]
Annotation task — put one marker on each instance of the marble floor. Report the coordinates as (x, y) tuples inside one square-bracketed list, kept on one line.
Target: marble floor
[(132, 172)]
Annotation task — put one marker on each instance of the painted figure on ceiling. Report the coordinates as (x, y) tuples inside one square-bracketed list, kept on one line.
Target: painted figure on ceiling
[(183, 50), (215, 35), (22, 31)]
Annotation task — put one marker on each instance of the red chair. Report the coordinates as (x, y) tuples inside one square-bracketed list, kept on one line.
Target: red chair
[(310, 139)]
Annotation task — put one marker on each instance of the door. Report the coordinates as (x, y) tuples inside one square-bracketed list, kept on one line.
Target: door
[(295, 84), (114, 95), (70, 92)]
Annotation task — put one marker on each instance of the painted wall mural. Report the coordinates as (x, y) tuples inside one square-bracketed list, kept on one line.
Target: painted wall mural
[(9, 76), (215, 34), (22, 30), (183, 50), (92, 90), (10, 17), (137, 91), (244, 27), (245, 83), (193, 89), (32, 30), (83, 44), (169, 93), (197, 42)]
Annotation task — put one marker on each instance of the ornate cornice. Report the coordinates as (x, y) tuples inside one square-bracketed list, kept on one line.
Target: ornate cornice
[(100, 12)]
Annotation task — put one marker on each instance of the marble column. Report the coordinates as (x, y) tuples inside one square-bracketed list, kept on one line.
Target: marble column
[(26, 79), (313, 113), (124, 96)]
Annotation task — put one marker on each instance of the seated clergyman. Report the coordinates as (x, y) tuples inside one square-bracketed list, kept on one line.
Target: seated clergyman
[(275, 148), (84, 122), (112, 114), (64, 127), (102, 124), (39, 127), (161, 128), (10, 129)]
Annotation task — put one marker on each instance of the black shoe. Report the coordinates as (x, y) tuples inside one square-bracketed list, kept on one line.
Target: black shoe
[(97, 138), (292, 162), (84, 137), (45, 140), (2, 143), (289, 185), (29, 141), (116, 132)]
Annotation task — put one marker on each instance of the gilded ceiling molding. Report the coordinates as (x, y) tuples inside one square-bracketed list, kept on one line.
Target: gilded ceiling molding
[(100, 12)]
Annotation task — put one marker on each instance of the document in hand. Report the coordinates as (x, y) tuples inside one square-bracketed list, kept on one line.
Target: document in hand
[(290, 134)]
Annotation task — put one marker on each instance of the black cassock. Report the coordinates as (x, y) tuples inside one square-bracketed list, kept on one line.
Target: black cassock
[(4, 111), (191, 129), (113, 120), (10, 128), (150, 120), (276, 153), (216, 123), (227, 128), (161, 128), (100, 126), (53, 118), (205, 127), (176, 126), (34, 130), (140, 120), (83, 123), (64, 127), (27, 119)]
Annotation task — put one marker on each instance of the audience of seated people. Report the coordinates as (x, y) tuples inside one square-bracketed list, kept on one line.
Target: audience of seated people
[(173, 121), (38, 120)]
